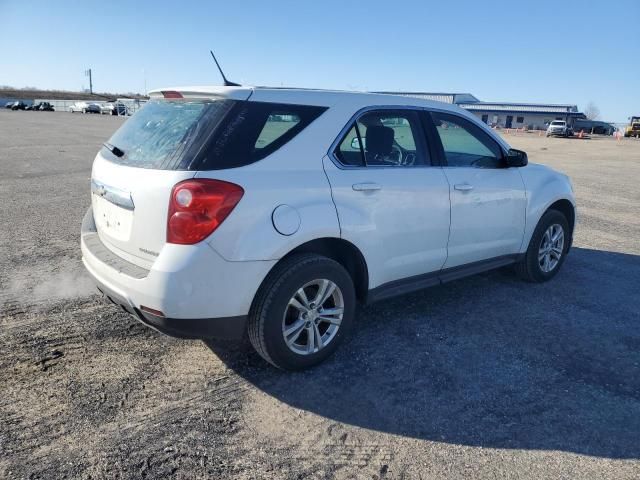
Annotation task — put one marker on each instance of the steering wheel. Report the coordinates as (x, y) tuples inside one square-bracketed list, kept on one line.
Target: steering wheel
[(397, 152), (410, 159), (393, 158)]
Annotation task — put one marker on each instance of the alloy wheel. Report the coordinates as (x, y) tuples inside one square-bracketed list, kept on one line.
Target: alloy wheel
[(313, 316), (551, 248)]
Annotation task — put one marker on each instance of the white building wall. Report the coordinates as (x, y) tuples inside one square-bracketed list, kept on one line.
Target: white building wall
[(537, 121)]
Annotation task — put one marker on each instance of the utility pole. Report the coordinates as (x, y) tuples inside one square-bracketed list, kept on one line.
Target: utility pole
[(87, 73)]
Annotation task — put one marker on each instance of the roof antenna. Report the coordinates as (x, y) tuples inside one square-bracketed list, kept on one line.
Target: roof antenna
[(227, 83)]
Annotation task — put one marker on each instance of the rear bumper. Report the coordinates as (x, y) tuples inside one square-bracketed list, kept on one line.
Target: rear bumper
[(230, 328), (200, 294)]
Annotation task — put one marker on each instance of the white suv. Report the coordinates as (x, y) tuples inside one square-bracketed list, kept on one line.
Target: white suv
[(560, 128), (222, 211)]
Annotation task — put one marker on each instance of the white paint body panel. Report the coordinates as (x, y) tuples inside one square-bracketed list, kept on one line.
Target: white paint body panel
[(402, 228), (416, 223), (488, 220), (544, 186), (186, 281)]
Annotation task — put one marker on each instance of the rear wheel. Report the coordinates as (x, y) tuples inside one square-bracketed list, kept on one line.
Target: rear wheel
[(547, 249), (302, 312)]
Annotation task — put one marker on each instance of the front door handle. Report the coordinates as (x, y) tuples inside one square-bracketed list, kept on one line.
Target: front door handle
[(366, 187), (463, 187)]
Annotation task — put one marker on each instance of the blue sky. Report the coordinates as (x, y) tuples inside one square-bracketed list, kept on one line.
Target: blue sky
[(544, 51)]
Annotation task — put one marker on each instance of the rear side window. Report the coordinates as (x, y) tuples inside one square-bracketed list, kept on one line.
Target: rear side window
[(277, 125), (253, 130)]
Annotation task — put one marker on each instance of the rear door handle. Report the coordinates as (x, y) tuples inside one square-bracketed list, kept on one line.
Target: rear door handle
[(366, 187), (463, 187)]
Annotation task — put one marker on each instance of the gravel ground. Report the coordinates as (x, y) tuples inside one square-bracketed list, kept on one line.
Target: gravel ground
[(485, 377)]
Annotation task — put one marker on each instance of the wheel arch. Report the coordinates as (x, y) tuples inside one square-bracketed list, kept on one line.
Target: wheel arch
[(343, 252), (567, 209), (563, 205)]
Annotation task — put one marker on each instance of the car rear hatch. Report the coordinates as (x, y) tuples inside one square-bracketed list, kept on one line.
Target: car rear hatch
[(134, 173)]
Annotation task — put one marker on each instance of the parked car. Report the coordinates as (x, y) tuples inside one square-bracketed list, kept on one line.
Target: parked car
[(114, 108), (78, 107), (42, 107), (19, 105), (85, 107), (220, 212), (33, 106), (9, 104), (559, 128)]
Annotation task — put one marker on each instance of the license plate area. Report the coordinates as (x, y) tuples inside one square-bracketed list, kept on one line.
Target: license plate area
[(111, 219)]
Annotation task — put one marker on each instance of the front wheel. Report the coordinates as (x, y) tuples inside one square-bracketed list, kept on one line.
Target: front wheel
[(547, 249), (302, 312)]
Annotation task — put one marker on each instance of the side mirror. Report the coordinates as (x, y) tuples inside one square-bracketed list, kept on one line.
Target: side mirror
[(355, 143), (516, 158)]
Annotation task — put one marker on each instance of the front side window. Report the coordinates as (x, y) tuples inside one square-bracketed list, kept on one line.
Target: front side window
[(384, 138), (465, 144)]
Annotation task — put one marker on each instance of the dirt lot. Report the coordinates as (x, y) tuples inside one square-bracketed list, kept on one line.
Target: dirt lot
[(482, 378)]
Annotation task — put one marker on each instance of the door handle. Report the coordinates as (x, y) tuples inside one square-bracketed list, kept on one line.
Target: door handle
[(463, 187), (366, 187)]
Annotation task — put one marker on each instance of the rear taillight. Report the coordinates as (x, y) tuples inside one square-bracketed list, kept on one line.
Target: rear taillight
[(197, 207)]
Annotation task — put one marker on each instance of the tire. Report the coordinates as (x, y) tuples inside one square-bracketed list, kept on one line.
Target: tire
[(531, 268), (272, 312)]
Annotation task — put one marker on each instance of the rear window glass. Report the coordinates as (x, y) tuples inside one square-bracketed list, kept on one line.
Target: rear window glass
[(253, 130), (166, 135)]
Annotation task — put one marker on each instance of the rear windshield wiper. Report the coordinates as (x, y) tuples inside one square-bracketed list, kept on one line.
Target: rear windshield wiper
[(113, 149)]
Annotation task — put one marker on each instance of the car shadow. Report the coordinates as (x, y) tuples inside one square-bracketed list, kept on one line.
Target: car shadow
[(487, 361)]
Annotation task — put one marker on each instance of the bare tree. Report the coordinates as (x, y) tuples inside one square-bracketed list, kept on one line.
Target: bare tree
[(591, 111)]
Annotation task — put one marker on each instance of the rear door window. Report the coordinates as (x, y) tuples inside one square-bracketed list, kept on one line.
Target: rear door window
[(389, 138), (349, 152)]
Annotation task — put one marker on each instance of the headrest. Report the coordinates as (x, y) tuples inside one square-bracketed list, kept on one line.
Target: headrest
[(379, 140)]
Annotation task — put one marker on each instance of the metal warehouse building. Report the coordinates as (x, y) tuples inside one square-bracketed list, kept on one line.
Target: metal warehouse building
[(534, 116)]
